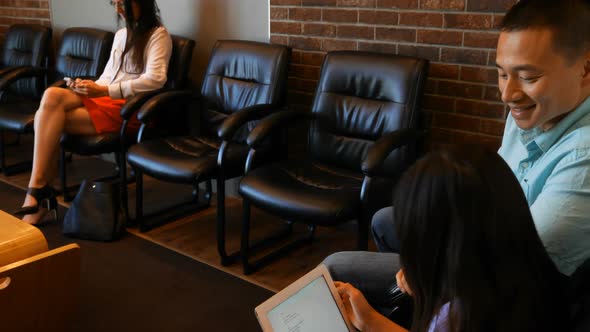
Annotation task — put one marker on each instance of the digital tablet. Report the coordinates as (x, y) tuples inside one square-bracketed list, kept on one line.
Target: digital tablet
[(310, 304)]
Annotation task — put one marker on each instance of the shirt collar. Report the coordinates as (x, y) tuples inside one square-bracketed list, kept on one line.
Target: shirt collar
[(545, 139)]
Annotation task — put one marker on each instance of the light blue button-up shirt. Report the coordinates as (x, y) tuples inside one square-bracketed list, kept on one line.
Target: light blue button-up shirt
[(553, 168)]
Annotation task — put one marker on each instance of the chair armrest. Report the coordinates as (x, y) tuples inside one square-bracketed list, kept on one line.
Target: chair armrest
[(133, 104), (379, 151), (58, 84), (233, 122), (274, 122), (8, 69), (160, 102), (19, 73)]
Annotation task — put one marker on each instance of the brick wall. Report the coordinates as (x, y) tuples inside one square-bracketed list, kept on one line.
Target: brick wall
[(23, 11), (462, 102)]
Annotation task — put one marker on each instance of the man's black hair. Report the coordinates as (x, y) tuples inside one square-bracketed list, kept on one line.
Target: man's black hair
[(568, 19)]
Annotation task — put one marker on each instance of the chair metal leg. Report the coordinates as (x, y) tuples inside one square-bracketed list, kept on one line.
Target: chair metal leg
[(2, 152), (363, 232), (63, 176), (139, 200), (123, 177), (225, 258), (208, 191), (245, 242)]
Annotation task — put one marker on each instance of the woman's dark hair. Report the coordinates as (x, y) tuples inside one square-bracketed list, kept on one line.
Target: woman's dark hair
[(139, 30), (467, 238)]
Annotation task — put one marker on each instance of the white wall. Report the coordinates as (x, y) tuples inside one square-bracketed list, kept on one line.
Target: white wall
[(205, 21)]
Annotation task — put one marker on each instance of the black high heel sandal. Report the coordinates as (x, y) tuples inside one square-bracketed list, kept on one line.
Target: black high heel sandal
[(44, 195)]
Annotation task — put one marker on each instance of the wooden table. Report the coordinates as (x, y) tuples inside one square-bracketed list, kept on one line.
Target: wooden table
[(18, 240)]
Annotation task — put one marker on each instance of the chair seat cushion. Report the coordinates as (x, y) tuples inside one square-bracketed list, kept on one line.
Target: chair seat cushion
[(18, 115), (304, 191), (91, 144), (185, 159)]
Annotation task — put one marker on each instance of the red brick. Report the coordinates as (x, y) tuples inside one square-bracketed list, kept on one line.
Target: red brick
[(468, 21), (480, 39), (287, 28), (497, 21), (460, 89), (490, 5), (305, 14), (378, 47), (279, 13), (479, 74), (357, 3), (356, 32), (467, 56), (381, 17), (443, 37), (402, 4), (279, 40), (492, 127), (305, 43), (306, 72), (443, 4), (285, 2), (312, 59), (431, 86), (439, 103), (302, 85), (340, 15), (442, 70), (426, 52), (421, 19), (492, 93), (318, 29), (318, 2), (337, 45), (456, 121), (480, 109), (395, 34)]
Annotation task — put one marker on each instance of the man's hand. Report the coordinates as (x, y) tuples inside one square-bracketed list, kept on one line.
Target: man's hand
[(401, 282), (89, 88)]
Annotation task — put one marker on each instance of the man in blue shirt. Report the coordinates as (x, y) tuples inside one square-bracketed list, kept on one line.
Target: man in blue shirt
[(543, 61)]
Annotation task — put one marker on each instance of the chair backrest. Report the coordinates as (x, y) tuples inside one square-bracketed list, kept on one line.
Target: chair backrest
[(27, 45), (83, 52), (242, 74), (180, 62), (360, 97)]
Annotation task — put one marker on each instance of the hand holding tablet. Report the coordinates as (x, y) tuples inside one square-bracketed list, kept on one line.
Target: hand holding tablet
[(309, 304)]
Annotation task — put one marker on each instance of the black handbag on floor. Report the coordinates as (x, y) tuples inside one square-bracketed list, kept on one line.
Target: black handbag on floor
[(95, 213)]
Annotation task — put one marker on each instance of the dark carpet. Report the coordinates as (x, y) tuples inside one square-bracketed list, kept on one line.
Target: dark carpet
[(135, 285)]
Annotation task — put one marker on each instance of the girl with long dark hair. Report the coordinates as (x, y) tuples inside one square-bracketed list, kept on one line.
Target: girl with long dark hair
[(471, 257), (138, 62)]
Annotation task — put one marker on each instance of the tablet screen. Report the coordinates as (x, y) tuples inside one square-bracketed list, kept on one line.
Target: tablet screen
[(312, 308)]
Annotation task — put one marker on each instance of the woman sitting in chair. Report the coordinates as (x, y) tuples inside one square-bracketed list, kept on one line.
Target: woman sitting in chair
[(138, 63), (471, 257)]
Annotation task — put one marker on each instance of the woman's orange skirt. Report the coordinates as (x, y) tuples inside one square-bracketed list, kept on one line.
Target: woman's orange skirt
[(105, 114)]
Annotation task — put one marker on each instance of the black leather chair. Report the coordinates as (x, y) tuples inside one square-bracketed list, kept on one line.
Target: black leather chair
[(83, 52), (580, 295), (363, 134), (244, 81), (118, 142), (25, 45)]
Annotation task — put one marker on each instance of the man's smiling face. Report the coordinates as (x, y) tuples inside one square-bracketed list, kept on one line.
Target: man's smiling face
[(539, 84)]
